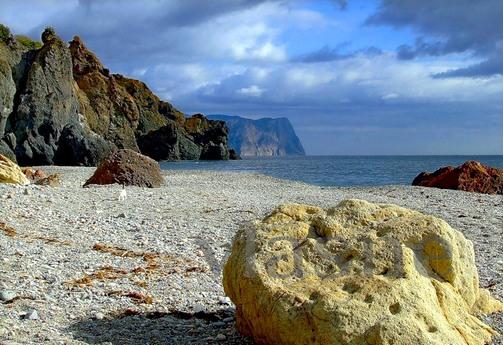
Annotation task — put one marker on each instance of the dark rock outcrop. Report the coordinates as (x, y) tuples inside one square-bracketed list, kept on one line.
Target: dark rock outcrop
[(472, 176), (76, 147), (233, 155), (128, 168), (211, 135), (262, 137), (60, 105), (168, 134), (47, 103), (7, 151)]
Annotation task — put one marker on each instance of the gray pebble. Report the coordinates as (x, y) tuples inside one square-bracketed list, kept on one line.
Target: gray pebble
[(99, 316), (224, 300), (220, 336), (31, 314), (198, 308), (7, 295)]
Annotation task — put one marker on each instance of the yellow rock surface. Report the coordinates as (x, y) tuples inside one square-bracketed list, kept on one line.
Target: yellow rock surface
[(11, 173), (357, 273)]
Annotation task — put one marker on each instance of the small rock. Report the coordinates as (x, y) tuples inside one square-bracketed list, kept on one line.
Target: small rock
[(228, 319), (7, 295), (31, 314), (99, 316), (52, 180), (218, 324), (224, 300), (8, 195), (121, 215), (220, 336), (198, 308)]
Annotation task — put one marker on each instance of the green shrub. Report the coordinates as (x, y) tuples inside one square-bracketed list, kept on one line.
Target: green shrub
[(5, 34), (28, 42), (48, 34)]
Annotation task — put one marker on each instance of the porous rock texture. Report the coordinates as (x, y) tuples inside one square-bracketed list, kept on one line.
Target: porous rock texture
[(11, 173), (128, 168), (471, 176), (356, 273)]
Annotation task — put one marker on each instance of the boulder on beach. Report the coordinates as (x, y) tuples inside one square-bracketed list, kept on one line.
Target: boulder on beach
[(356, 273), (53, 180), (10, 172), (129, 168), (472, 176), (33, 174)]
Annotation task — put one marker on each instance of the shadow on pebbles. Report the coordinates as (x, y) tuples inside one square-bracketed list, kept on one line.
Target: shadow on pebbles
[(132, 328)]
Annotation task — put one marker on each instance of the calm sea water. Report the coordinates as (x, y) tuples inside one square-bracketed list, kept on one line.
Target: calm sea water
[(338, 170)]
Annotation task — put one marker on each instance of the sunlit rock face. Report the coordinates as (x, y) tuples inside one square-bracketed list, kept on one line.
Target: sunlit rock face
[(10, 172), (356, 273), (60, 105), (262, 137)]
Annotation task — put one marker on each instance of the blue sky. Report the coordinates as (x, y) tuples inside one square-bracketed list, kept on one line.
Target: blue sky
[(354, 77)]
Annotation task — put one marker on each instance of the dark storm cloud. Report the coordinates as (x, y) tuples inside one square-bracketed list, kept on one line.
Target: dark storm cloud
[(449, 26), (327, 53), (148, 32), (177, 13), (484, 69)]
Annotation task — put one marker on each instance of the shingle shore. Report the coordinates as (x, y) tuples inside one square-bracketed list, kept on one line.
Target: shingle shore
[(148, 269)]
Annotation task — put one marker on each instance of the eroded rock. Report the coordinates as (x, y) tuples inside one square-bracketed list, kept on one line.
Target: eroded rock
[(11, 173), (357, 273), (128, 168), (53, 180), (471, 176), (33, 174)]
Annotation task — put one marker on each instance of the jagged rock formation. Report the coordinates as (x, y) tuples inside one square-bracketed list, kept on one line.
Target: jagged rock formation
[(60, 105), (471, 176), (356, 273), (262, 137)]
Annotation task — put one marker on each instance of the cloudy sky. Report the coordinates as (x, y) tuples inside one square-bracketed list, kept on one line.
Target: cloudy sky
[(354, 77)]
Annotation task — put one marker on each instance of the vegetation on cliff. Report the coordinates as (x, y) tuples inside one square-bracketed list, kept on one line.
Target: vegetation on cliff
[(60, 105)]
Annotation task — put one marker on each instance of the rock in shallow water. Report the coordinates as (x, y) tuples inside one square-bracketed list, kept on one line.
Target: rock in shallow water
[(357, 273)]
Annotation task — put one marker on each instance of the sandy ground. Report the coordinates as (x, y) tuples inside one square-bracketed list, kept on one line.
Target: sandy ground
[(147, 269)]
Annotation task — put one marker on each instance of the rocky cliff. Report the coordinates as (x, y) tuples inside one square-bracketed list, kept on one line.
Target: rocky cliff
[(60, 105), (262, 137)]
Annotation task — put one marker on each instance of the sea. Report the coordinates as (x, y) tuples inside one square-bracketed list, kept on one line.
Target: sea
[(338, 170)]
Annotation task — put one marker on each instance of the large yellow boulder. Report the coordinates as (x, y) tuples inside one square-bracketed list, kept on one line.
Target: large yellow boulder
[(11, 173), (357, 273)]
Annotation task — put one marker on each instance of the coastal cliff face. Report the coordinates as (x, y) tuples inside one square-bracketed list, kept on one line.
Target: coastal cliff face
[(262, 137), (60, 105)]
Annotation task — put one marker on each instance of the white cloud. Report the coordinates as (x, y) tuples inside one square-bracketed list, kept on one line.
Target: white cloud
[(253, 91), (359, 80), (391, 95)]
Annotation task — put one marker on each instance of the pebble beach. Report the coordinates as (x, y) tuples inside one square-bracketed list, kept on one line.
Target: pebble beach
[(107, 265)]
